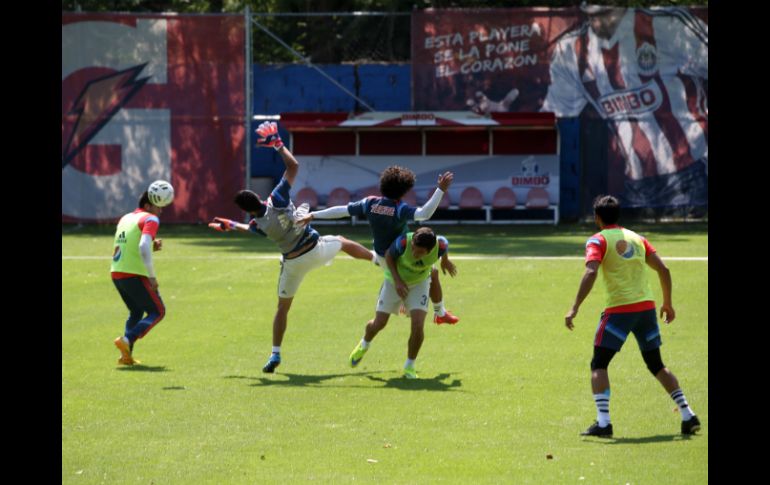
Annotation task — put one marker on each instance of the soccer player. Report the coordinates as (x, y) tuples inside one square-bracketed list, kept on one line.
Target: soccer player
[(645, 71), (388, 217), (302, 248), (622, 255), (407, 279), (134, 274)]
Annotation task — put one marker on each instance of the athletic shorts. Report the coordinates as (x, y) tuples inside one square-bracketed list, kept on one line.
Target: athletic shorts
[(417, 299), (294, 270), (614, 328)]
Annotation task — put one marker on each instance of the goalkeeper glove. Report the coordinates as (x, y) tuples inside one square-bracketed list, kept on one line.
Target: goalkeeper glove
[(268, 135), (222, 225)]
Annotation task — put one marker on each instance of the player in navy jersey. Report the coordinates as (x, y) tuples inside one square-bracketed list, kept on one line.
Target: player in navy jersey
[(388, 216)]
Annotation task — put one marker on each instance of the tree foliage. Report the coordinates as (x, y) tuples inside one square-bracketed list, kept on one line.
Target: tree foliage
[(332, 38)]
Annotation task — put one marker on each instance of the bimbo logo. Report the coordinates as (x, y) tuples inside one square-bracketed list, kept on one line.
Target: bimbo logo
[(418, 119), (530, 174), (631, 102)]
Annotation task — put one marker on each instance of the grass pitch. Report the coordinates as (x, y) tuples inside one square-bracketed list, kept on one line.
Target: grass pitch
[(499, 393)]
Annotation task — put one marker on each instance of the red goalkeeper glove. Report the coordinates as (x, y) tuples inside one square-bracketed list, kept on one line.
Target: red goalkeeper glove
[(222, 225), (268, 135)]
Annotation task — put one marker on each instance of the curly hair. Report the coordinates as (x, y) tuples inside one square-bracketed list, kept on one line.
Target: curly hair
[(396, 181)]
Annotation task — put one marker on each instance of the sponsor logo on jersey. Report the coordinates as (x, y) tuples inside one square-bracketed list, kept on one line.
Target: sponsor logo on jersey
[(631, 102), (647, 59), (624, 249), (382, 210)]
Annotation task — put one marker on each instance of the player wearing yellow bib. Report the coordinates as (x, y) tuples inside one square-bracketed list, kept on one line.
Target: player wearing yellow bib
[(134, 275), (408, 277), (623, 256)]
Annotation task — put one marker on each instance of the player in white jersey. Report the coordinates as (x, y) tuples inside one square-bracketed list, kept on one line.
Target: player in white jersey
[(645, 71)]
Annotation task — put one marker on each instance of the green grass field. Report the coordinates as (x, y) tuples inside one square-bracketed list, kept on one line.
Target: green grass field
[(498, 392)]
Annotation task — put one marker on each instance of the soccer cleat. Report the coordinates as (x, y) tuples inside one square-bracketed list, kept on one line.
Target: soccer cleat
[(410, 373), (596, 430), (129, 361), (273, 362), (691, 425), (357, 355), (125, 350), (447, 318)]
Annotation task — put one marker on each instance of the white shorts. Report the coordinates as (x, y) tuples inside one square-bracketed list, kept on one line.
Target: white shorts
[(294, 270), (417, 299)]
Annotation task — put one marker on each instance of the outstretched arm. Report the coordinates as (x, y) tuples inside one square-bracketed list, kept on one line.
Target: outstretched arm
[(292, 165), (336, 212), (269, 138), (586, 284), (224, 225), (426, 212)]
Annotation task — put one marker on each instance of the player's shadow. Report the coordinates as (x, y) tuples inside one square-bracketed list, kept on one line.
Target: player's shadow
[(143, 368), (296, 380), (661, 438), (438, 383)]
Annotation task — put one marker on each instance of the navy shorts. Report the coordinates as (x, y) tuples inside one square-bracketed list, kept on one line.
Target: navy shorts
[(614, 328)]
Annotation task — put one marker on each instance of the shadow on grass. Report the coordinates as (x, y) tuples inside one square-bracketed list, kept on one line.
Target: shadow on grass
[(432, 384), (302, 380), (661, 438), (143, 368), (298, 380)]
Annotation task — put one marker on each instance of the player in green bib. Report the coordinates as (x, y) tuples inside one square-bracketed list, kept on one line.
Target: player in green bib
[(623, 257), (407, 279), (133, 274)]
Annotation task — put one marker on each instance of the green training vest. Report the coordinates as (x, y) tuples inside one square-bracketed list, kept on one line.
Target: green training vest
[(125, 255), (624, 269), (413, 270)]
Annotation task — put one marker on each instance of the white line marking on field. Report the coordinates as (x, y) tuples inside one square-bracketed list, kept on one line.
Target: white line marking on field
[(481, 257)]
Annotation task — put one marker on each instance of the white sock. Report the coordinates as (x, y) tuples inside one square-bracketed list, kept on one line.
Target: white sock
[(603, 408), (684, 407), (277, 350), (364, 343), (409, 363), (125, 339), (438, 308), (374, 256)]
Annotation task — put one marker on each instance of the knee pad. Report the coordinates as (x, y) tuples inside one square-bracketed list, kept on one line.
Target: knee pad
[(602, 358), (653, 361)]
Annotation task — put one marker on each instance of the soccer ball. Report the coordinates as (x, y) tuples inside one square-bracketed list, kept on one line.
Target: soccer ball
[(161, 193)]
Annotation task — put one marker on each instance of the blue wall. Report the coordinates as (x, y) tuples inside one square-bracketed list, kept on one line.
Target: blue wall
[(294, 88)]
